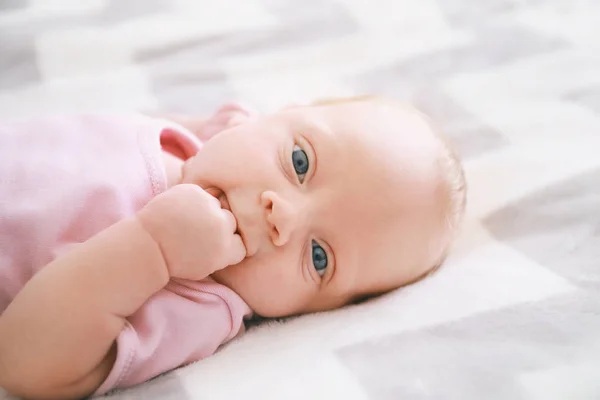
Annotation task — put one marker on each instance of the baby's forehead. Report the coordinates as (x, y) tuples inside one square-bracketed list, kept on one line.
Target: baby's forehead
[(391, 139), (375, 145), (378, 124)]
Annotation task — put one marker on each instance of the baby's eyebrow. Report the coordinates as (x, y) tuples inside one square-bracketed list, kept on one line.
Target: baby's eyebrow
[(320, 127), (316, 132), (310, 123)]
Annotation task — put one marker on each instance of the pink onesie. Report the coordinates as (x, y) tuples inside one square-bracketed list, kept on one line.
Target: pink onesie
[(62, 180)]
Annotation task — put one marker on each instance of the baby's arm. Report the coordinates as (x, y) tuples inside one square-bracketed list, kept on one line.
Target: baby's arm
[(57, 336)]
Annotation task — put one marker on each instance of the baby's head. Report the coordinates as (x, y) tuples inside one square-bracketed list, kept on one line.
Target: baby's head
[(335, 202)]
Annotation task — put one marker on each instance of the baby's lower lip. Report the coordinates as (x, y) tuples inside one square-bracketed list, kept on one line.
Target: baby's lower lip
[(219, 195), (224, 202)]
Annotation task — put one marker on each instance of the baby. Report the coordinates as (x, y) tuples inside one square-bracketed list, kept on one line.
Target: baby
[(129, 247)]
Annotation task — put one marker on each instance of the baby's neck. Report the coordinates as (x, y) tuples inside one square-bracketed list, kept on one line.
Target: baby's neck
[(173, 167)]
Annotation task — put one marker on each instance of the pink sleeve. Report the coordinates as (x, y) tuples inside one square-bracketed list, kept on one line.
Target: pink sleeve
[(183, 323)]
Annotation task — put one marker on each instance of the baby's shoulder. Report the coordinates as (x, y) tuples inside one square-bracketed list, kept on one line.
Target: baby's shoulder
[(85, 171)]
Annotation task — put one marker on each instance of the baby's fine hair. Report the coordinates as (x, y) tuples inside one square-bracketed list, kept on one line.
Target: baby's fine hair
[(453, 182)]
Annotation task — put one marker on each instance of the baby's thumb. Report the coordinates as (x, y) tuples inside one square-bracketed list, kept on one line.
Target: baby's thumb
[(237, 250)]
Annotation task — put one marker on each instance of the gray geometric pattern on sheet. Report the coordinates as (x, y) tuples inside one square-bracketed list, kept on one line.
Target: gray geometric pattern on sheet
[(515, 312), (589, 97), (13, 4), (482, 357), (559, 227), (17, 52)]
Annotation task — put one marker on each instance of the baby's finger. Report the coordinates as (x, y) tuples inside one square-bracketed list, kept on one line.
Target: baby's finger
[(236, 119), (237, 250), (234, 107), (230, 221)]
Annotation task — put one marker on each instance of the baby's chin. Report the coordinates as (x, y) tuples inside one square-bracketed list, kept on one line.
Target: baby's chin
[(221, 277), (232, 277)]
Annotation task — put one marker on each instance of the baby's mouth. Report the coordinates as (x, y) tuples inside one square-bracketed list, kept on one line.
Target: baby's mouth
[(219, 195), (222, 197), (224, 202)]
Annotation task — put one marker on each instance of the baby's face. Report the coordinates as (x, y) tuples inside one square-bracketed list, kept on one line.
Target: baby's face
[(333, 203)]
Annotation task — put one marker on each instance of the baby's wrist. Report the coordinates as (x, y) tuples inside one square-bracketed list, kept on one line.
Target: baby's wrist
[(151, 231)]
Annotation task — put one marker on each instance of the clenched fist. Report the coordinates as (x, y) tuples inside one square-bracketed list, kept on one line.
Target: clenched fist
[(196, 236)]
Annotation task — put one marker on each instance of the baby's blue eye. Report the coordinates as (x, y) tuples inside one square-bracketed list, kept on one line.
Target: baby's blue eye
[(300, 161), (319, 258)]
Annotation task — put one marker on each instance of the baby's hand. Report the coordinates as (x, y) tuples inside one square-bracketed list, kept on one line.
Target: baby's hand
[(197, 237), (227, 116)]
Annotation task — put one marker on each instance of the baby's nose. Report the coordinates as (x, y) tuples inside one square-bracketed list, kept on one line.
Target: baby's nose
[(282, 217)]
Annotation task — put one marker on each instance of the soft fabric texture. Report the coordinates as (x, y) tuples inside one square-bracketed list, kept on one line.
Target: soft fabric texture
[(185, 322), (64, 179)]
